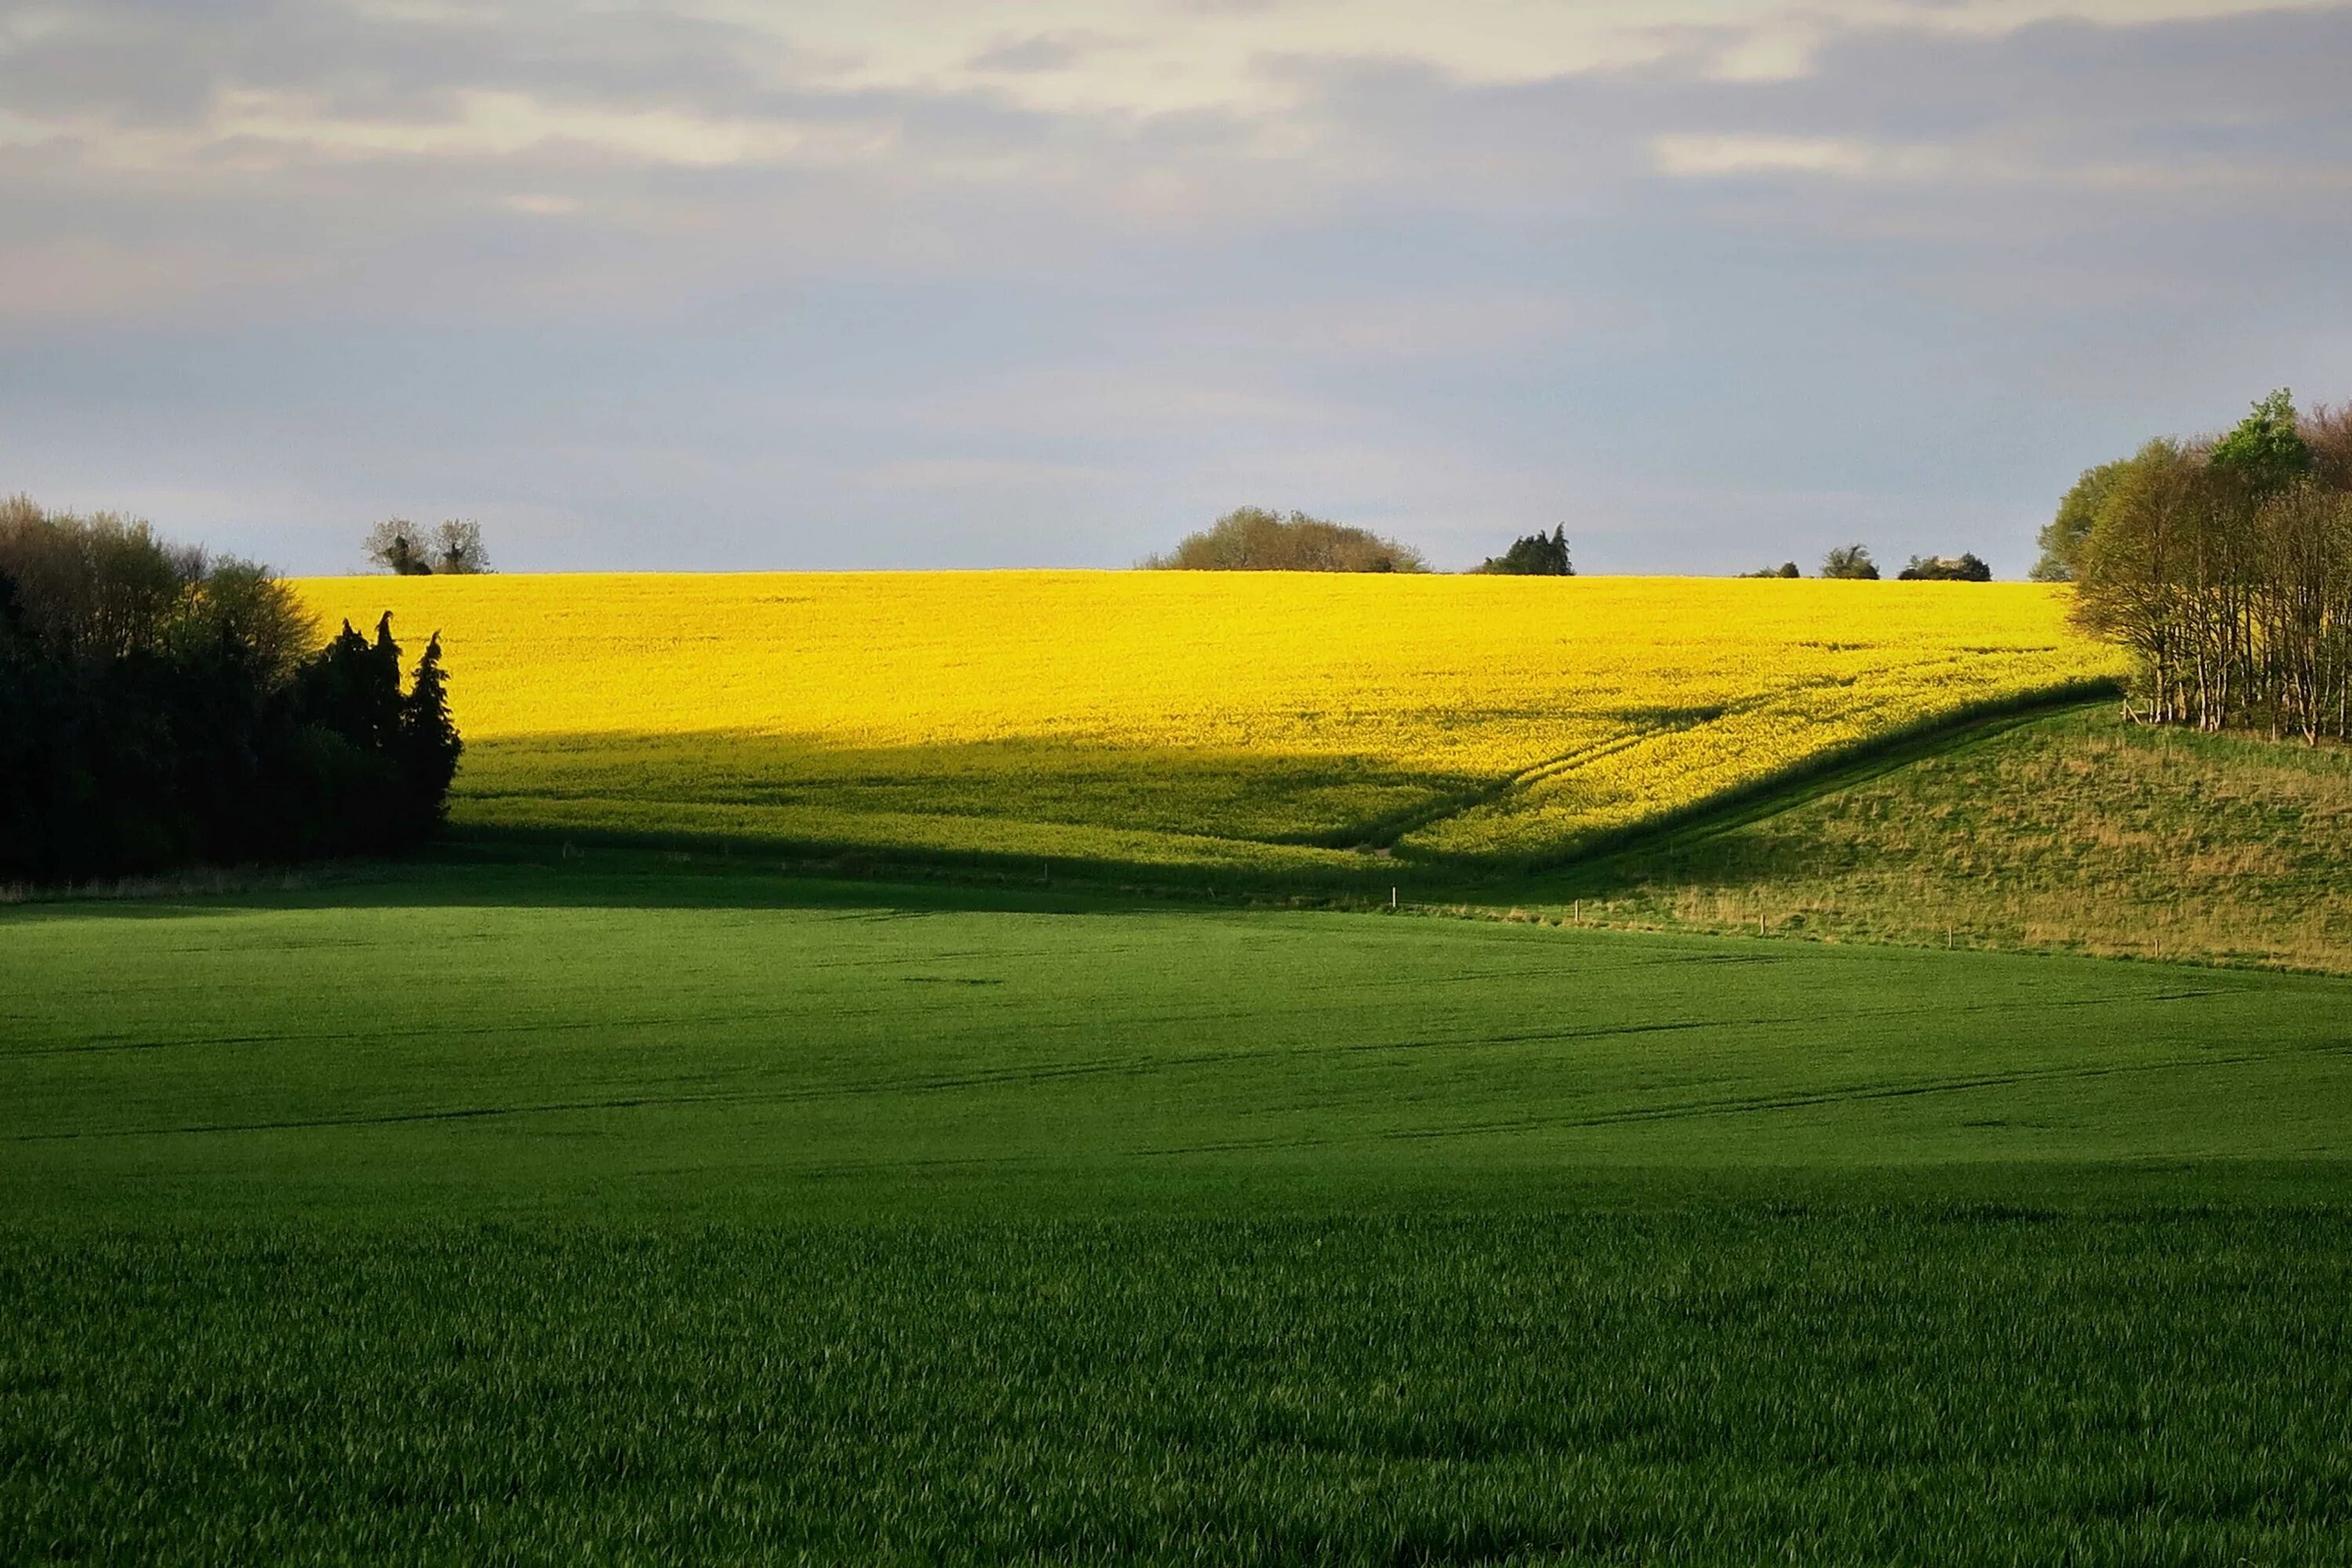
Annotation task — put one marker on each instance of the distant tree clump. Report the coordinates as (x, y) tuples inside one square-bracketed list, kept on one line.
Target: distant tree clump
[(1253, 539), (1961, 568), (159, 707), (407, 550), (1786, 569), (1850, 562), (1538, 554), (2225, 567)]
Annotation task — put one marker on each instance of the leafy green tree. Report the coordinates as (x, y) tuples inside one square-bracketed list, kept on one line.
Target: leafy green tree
[(2064, 536), (2266, 452), (1850, 562)]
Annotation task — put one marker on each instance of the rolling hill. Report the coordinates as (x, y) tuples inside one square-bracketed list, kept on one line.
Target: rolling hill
[(1299, 727)]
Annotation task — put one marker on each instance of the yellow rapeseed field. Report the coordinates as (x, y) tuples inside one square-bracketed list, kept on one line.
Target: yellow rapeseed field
[(1276, 722)]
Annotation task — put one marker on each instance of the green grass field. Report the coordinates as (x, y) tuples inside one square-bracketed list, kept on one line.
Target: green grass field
[(2072, 831), (623, 1209)]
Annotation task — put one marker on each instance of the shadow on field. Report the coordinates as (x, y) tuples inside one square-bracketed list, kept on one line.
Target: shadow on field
[(701, 865), (488, 872)]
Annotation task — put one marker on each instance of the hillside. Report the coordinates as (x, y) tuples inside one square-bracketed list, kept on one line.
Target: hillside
[(2074, 831), (1297, 728)]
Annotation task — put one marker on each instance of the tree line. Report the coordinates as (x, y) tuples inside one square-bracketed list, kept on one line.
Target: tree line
[(1851, 563), (2224, 565), (161, 707), (1255, 539)]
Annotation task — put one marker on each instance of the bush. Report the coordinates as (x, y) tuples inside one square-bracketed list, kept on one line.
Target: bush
[(1252, 539), (1786, 569), (158, 708)]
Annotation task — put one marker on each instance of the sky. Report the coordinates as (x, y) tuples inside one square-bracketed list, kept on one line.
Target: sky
[(1712, 283)]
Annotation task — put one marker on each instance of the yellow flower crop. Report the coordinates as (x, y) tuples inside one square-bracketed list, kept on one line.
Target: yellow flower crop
[(1283, 722)]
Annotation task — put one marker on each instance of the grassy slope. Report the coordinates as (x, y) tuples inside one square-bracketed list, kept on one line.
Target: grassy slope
[(506, 1035), (610, 1210), (2073, 831)]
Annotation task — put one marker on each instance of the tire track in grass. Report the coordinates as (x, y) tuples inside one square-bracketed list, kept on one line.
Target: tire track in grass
[(1748, 1105), (1131, 1067), (879, 1009)]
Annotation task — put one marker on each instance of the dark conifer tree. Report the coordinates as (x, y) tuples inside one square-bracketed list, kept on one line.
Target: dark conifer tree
[(429, 744)]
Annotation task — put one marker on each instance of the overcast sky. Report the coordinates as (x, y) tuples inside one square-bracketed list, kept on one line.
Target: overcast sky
[(894, 284)]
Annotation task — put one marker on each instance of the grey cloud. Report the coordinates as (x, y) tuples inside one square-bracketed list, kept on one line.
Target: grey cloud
[(1457, 311), (1045, 52)]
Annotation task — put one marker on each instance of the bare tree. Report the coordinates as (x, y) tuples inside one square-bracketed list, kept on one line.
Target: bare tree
[(457, 548), (400, 547)]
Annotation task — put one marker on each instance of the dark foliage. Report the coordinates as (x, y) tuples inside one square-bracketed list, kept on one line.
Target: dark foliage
[(1538, 554), (1961, 568), (156, 710), (1850, 562), (1786, 569)]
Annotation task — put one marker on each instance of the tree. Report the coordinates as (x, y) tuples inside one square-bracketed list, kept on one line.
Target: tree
[(1850, 562), (2064, 536), (2130, 578), (457, 548), (1536, 555), (239, 603), (1252, 539), (399, 547), (428, 746), (2327, 434), (1786, 569), (2266, 452)]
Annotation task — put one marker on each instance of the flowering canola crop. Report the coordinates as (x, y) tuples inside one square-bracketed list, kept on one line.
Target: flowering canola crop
[(1272, 721)]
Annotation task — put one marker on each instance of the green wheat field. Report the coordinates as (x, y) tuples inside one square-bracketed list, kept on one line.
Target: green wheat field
[(627, 1207)]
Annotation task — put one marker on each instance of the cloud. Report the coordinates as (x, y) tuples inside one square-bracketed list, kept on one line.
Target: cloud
[(829, 281)]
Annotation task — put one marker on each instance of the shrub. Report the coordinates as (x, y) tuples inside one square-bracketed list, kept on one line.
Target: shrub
[(1252, 539)]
